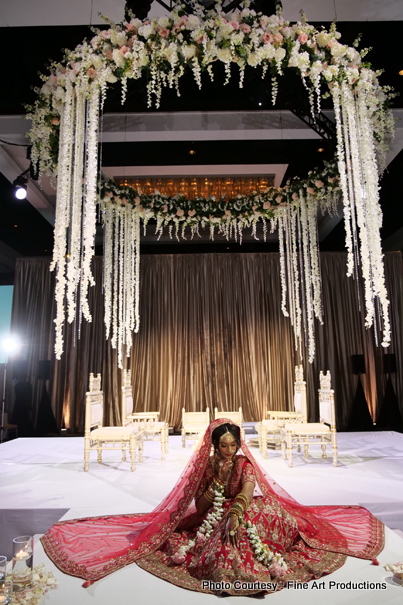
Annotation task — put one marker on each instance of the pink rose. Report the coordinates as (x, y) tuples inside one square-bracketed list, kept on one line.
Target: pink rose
[(277, 570), (330, 44), (254, 207), (283, 204), (124, 201), (228, 213), (141, 209), (303, 38), (266, 205), (55, 121), (137, 201), (164, 208), (164, 32), (330, 179), (235, 24), (124, 49), (245, 28), (104, 34), (191, 212), (267, 38), (201, 538), (178, 559), (310, 190), (129, 27), (277, 38), (131, 42), (279, 199), (295, 196), (180, 212), (319, 184), (91, 72), (109, 194)]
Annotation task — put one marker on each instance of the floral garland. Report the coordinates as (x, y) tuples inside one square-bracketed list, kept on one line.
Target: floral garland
[(206, 529), (64, 135), (277, 566)]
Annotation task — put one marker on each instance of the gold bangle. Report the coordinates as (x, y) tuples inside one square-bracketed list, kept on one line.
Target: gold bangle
[(208, 496), (243, 497)]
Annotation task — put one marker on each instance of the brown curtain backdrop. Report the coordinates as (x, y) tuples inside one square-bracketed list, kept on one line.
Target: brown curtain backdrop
[(211, 334)]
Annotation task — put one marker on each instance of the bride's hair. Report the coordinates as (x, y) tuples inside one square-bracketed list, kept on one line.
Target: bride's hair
[(226, 428)]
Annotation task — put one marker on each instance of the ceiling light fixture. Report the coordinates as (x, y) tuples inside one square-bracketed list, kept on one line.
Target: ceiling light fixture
[(321, 149), (192, 152), (401, 72), (20, 186)]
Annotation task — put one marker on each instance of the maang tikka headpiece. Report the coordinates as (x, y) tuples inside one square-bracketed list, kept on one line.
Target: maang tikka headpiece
[(227, 436)]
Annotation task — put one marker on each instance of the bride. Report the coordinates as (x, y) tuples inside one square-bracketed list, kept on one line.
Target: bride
[(226, 527)]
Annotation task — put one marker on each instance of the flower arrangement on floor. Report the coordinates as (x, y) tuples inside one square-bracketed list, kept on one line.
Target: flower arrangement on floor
[(42, 582), (64, 134)]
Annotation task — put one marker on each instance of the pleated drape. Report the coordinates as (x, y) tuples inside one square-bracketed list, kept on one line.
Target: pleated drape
[(211, 334)]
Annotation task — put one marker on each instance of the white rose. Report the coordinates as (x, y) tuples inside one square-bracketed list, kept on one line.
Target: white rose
[(269, 52), (224, 54), (163, 21), (136, 22), (317, 67), (237, 38), (188, 51), (353, 55), (225, 29), (334, 70), (338, 50), (253, 59), (171, 53), (280, 54), (118, 58), (118, 38), (193, 22), (323, 39), (328, 75), (146, 31), (97, 61)]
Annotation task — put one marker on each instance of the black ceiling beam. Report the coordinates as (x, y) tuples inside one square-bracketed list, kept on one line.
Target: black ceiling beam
[(141, 8), (320, 124)]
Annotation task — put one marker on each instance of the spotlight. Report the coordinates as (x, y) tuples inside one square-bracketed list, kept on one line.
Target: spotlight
[(20, 186), (321, 149), (401, 72), (10, 344)]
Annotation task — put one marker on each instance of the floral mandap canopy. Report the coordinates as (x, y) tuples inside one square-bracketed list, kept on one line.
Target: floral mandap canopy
[(64, 132)]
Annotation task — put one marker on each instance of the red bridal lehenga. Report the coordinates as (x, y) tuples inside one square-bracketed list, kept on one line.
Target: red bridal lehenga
[(313, 540)]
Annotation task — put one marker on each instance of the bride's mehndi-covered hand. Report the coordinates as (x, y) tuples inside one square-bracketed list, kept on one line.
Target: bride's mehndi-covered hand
[(232, 531), (224, 468)]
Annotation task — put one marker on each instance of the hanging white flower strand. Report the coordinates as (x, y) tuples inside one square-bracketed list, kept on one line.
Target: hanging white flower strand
[(121, 275)]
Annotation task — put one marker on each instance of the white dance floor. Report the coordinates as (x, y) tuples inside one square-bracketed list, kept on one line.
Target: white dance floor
[(43, 478)]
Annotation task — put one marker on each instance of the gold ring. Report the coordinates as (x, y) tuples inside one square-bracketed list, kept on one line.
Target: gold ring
[(232, 533)]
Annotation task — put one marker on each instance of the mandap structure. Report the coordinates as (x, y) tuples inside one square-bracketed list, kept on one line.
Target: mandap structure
[(64, 133)]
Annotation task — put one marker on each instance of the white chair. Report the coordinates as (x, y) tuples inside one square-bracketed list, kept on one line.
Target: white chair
[(268, 432), (300, 408), (194, 423), (147, 421), (234, 416), (308, 433), (98, 437)]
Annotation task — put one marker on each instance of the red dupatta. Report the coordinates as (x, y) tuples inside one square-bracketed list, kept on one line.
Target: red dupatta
[(92, 548)]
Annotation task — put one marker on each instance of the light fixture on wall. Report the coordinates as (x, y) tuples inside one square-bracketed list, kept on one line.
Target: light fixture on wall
[(20, 185)]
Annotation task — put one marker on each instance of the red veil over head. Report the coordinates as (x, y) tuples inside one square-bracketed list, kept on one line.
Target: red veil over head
[(92, 548)]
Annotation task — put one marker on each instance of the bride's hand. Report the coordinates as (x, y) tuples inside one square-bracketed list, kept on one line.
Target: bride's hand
[(224, 469), (232, 531)]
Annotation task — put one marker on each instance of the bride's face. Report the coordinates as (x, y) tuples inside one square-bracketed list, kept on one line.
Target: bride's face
[(227, 448)]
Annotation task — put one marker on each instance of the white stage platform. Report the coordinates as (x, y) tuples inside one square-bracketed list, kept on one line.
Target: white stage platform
[(43, 478)]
